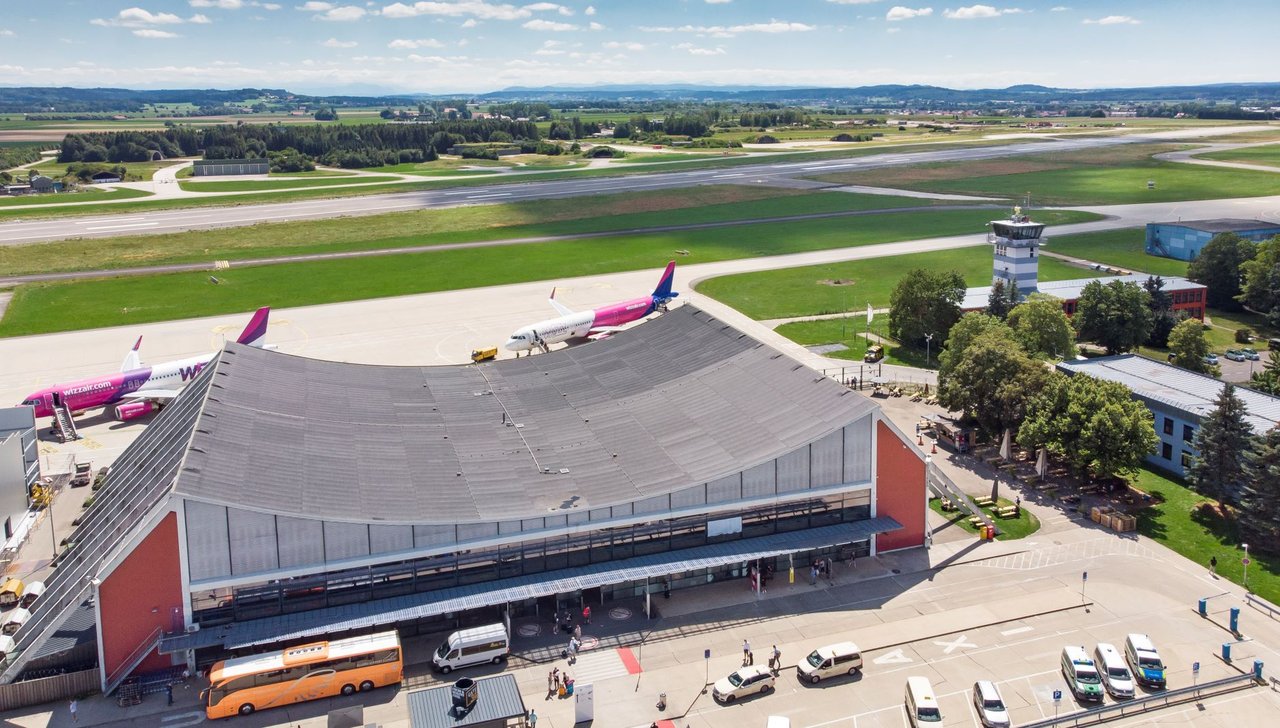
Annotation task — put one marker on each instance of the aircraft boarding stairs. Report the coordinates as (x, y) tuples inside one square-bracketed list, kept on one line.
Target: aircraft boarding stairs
[(66, 424)]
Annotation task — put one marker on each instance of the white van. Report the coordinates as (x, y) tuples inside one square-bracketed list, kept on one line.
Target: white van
[(1144, 660), (922, 704), (1081, 674), (1115, 674), (842, 658), (472, 647)]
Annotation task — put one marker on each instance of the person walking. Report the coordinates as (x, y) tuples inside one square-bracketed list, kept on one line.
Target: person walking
[(813, 575), (577, 632), (74, 708), (551, 684), (168, 692), (1213, 565), (533, 718), (775, 660), (746, 650), (586, 614)]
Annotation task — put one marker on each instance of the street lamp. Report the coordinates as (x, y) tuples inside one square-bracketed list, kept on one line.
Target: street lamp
[(928, 346)]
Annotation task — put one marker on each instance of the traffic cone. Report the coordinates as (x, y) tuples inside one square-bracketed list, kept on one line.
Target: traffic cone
[(933, 449), (920, 440)]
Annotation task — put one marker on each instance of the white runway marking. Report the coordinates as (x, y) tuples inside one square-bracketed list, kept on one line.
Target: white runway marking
[(1016, 630), (953, 645), (122, 227)]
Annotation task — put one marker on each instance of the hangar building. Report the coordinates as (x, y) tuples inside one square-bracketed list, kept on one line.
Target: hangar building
[(280, 498), (1184, 239)]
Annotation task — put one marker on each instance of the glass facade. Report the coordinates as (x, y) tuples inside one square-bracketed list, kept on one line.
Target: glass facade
[(531, 556)]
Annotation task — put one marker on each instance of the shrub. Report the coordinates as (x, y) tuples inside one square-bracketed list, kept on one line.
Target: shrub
[(766, 139), (1244, 335)]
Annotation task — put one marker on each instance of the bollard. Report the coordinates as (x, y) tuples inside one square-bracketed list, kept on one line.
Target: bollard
[(1257, 670), (1204, 608), (1226, 652), (1235, 620)]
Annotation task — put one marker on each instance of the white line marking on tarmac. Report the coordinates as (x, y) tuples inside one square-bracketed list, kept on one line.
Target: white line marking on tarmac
[(1016, 630), (891, 658), (953, 645), (122, 227), (193, 718)]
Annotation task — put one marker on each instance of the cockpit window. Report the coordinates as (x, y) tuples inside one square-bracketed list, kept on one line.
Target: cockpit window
[(32, 402)]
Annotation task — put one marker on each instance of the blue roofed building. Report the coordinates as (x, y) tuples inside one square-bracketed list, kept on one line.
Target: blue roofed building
[(1184, 239)]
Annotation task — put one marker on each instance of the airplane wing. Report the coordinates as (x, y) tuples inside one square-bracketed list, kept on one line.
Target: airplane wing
[(132, 360), (601, 332), (562, 309), (154, 395)]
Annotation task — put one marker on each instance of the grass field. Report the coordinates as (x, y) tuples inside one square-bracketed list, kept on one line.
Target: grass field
[(1010, 528), (1111, 176), (43, 308), (1198, 535), (1268, 155), (851, 332), (85, 194), (594, 214), (1120, 248), (282, 183), (791, 292)]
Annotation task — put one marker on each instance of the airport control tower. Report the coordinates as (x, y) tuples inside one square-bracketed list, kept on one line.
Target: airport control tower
[(1016, 242)]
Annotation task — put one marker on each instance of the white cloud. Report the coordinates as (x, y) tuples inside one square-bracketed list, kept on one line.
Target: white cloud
[(591, 10), (5, 32), (153, 33), (897, 12), (427, 59), (223, 4), (469, 23), (343, 14), (719, 2), (542, 7), (199, 19), (1059, 9), (335, 43), (476, 8), (1114, 20), (973, 12), (314, 7), (420, 43), (728, 31), (549, 25), (137, 18), (595, 26), (624, 45), (893, 29), (853, 2), (270, 6)]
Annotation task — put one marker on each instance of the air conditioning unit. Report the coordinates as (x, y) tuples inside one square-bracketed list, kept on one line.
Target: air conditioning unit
[(192, 628)]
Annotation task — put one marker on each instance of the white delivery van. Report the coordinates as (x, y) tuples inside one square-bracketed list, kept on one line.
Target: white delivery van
[(1115, 674), (922, 704), (842, 658), (472, 647)]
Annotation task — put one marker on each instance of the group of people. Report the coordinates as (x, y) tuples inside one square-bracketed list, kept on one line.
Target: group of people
[(821, 568), (564, 621), (559, 684), (749, 657)]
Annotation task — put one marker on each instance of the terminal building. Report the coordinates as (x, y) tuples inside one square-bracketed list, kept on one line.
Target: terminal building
[(1184, 239), (280, 498), (1016, 263), (1179, 401)]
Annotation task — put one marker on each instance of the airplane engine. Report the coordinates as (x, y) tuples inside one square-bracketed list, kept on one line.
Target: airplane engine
[(134, 410)]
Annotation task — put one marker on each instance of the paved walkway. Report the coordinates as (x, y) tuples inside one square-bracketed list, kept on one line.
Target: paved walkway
[(1191, 156)]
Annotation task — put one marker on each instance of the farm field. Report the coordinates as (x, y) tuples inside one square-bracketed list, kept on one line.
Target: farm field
[(808, 291), (43, 308)]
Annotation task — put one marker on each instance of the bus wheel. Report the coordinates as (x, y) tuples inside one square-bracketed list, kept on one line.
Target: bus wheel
[(366, 686), (348, 689), (246, 709)]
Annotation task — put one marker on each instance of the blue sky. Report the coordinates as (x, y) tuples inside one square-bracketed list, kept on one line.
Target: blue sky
[(481, 45)]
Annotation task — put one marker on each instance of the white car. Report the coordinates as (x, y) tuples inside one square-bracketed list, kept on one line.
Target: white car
[(989, 705), (747, 681), (1116, 677)]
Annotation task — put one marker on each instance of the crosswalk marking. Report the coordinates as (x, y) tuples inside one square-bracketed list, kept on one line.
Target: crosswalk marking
[(592, 667)]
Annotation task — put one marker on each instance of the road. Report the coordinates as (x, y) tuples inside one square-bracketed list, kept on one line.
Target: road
[(205, 218)]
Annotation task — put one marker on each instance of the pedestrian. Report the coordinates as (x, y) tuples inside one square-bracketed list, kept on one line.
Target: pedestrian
[(1213, 565), (776, 660), (551, 684), (168, 692), (813, 575), (746, 650), (577, 631), (533, 718), (556, 674), (586, 614), (1017, 506), (73, 707)]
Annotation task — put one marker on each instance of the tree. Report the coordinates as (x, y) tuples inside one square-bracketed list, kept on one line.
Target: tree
[(925, 302), (1222, 439), (1259, 513), (1163, 319), (1268, 380), (1042, 328), (992, 381), (326, 113), (1189, 347), (969, 327), (1219, 266), (1095, 425), (1115, 316), (1001, 300), (1261, 290)]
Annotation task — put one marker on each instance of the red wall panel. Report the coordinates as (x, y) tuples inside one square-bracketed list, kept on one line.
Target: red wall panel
[(141, 596), (899, 489)]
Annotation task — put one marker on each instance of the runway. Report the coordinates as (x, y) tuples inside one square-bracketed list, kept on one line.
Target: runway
[(205, 218)]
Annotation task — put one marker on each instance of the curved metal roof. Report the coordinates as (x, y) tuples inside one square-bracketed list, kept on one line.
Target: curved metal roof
[(678, 401)]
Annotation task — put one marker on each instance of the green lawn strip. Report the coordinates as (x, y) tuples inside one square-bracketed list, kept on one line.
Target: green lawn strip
[(1120, 248), (1010, 528), (282, 183), (94, 194), (593, 214), (791, 292), (43, 308), (1268, 155), (1221, 335), (851, 331), (1174, 520)]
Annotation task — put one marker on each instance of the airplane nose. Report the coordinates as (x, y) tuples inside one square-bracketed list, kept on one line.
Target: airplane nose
[(512, 345)]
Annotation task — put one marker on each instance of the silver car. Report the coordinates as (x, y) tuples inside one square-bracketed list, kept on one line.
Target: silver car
[(989, 705)]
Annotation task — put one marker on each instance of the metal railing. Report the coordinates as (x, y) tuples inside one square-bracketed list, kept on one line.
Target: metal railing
[(135, 658), (942, 486), (1104, 713), (1254, 600)]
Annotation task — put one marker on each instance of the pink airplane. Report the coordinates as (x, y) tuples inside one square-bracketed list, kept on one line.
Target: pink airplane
[(593, 324), (142, 389)]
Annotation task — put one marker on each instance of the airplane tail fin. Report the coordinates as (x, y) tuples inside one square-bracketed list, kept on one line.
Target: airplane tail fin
[(255, 333), (663, 292), (132, 360)]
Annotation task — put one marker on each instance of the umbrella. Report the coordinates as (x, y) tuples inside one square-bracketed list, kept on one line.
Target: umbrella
[(1005, 450), (1042, 463)]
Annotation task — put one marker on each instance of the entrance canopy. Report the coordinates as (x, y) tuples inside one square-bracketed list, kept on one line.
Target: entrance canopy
[(283, 628), (498, 703)]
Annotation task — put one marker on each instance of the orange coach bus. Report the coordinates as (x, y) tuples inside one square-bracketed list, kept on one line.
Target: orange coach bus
[(243, 685)]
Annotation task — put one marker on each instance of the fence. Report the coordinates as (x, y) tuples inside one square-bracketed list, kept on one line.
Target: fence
[(1258, 602), (48, 689), (1164, 699)]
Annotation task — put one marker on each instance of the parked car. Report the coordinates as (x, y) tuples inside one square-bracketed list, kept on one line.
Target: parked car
[(1081, 674), (1116, 677), (1251, 353), (1145, 662), (747, 681), (1235, 355), (1211, 358), (843, 658), (989, 705)]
